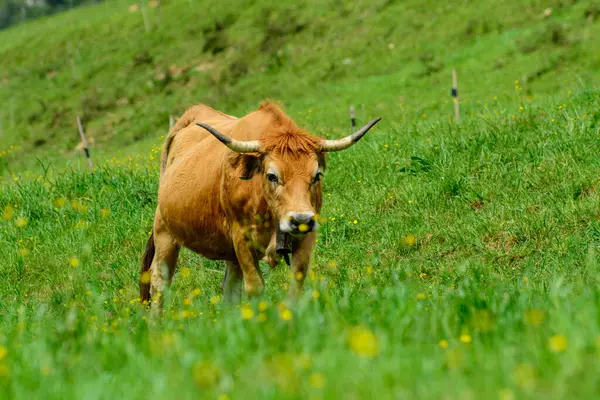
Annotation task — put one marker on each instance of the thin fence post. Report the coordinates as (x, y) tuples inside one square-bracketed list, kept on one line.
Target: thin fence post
[(353, 116), (71, 52), (12, 113), (455, 96), (145, 15), (85, 143), (158, 12)]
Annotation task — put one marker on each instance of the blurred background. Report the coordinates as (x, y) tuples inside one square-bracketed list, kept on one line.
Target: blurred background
[(16, 11), (124, 67)]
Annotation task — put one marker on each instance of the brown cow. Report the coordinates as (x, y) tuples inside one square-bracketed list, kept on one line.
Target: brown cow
[(225, 199)]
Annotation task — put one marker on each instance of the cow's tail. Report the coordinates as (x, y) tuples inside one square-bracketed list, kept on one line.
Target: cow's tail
[(145, 273)]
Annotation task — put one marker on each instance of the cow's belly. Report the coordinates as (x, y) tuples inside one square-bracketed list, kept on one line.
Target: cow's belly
[(190, 208), (211, 246), (199, 235)]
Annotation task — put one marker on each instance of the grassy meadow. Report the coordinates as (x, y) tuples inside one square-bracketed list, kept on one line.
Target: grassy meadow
[(455, 260)]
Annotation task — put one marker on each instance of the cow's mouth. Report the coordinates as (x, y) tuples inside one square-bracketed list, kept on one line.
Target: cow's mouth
[(298, 224)]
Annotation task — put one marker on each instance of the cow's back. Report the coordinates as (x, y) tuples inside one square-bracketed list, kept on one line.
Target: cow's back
[(189, 199)]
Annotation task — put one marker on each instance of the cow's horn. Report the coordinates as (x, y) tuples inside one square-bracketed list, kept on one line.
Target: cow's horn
[(239, 146), (342, 144)]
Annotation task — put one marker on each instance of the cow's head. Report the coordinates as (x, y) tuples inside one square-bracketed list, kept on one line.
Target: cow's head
[(291, 163)]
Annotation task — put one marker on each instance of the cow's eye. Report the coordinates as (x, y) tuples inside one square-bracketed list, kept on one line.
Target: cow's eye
[(317, 177), (272, 178)]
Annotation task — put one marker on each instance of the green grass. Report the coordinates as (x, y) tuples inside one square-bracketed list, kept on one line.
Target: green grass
[(457, 260)]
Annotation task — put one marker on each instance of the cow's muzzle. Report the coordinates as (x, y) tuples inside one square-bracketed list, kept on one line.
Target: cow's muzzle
[(298, 223)]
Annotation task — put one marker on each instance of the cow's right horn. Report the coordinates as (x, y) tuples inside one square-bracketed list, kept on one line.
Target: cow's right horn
[(239, 146), (341, 144)]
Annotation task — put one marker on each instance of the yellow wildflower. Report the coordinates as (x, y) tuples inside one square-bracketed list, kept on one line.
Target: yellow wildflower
[(247, 312), (23, 252), (524, 376), (81, 224), (262, 305), (303, 228), (363, 342), (421, 296), (453, 358), (483, 321), (558, 343), (316, 294), (60, 202), (74, 262), (205, 373), (444, 344), (285, 314), (145, 277), (45, 370), (185, 272), (8, 213), (409, 240), (535, 317), (466, 338), (3, 352), (317, 380), (21, 222)]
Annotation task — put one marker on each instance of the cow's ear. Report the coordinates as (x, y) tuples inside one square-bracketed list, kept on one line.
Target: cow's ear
[(246, 164), (321, 160)]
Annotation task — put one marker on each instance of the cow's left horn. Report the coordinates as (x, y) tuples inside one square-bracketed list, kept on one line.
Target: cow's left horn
[(239, 146), (342, 144)]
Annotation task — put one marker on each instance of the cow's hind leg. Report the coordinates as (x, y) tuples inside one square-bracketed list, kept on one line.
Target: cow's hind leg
[(162, 268), (232, 282)]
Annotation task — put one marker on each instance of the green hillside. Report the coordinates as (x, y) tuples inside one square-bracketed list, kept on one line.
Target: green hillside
[(455, 260), (391, 58)]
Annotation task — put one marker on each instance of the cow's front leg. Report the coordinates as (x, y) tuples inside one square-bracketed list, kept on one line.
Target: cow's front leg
[(232, 282), (254, 283), (300, 263)]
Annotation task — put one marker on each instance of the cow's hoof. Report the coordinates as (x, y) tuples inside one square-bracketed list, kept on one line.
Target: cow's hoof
[(254, 288)]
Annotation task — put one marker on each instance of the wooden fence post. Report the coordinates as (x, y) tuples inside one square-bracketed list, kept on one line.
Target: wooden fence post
[(455, 95), (145, 15), (85, 144)]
